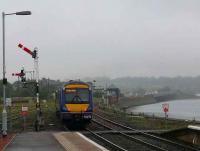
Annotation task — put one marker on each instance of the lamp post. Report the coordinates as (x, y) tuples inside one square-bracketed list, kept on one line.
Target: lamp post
[(4, 112)]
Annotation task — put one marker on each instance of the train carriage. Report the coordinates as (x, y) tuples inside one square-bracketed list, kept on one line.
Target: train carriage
[(75, 101)]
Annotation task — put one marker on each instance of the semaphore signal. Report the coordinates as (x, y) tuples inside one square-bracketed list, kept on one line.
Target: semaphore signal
[(32, 53), (20, 75), (17, 74)]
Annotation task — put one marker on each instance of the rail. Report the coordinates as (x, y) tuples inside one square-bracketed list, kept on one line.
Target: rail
[(148, 135), (111, 144)]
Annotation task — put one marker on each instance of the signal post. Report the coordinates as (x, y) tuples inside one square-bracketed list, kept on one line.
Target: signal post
[(34, 55)]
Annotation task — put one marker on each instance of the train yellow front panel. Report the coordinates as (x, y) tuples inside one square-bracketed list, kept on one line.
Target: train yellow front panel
[(77, 107), (76, 86)]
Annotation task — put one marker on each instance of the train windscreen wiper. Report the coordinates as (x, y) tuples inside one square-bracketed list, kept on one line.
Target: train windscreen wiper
[(76, 98)]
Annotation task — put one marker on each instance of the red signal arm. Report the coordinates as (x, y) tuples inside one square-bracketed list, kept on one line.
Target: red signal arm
[(18, 74), (25, 49)]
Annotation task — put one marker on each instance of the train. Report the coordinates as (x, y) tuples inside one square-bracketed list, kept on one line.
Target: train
[(75, 101)]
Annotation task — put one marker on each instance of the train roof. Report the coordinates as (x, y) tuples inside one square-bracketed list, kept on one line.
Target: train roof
[(78, 82)]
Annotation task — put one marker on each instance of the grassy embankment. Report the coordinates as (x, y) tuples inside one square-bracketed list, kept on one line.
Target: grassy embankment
[(48, 110)]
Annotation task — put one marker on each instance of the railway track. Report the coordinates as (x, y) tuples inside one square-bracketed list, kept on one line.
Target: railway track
[(106, 141), (150, 140), (116, 142), (132, 143)]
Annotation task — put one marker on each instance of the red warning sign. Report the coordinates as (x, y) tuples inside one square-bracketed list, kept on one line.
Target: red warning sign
[(24, 111), (165, 107)]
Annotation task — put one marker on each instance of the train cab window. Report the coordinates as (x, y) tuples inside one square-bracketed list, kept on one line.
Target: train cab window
[(77, 95)]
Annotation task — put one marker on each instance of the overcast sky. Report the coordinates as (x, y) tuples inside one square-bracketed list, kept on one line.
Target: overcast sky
[(114, 38)]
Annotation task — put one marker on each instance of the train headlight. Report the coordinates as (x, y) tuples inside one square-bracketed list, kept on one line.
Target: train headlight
[(89, 108), (64, 108)]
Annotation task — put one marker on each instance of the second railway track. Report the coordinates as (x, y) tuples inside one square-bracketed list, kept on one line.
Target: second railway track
[(148, 140)]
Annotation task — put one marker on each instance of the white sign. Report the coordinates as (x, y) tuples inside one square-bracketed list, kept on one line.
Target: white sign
[(24, 108), (8, 102)]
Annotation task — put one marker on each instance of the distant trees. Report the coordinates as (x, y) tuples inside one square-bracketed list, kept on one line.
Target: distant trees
[(184, 84), (9, 89), (17, 89), (129, 84)]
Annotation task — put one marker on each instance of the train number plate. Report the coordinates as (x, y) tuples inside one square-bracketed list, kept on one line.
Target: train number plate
[(87, 116)]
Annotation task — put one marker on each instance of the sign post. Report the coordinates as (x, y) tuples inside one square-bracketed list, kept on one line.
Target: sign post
[(165, 107), (8, 105), (24, 113), (8, 102)]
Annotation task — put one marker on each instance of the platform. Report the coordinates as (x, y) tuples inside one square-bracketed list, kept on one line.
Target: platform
[(189, 134), (52, 141), (75, 141), (34, 141)]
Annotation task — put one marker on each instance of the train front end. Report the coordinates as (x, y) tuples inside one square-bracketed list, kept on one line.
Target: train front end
[(77, 101)]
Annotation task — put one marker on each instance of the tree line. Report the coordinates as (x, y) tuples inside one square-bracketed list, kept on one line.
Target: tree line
[(18, 89), (132, 84)]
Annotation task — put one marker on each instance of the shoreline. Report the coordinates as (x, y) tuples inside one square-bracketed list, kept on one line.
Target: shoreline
[(186, 110), (129, 102)]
